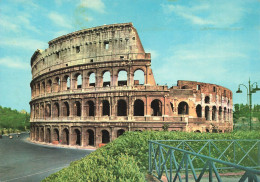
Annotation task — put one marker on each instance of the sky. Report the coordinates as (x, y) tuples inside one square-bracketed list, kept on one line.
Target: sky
[(212, 41)]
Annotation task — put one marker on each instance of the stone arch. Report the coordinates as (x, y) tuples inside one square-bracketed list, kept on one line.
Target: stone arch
[(57, 84), (183, 108), (185, 87), (207, 100), (37, 111), (38, 89), (122, 78), (105, 136), (76, 137), (65, 136), (92, 79), (197, 131), (105, 108), (90, 108), (48, 135), (199, 111), (214, 112), (90, 137), (48, 110), (121, 108), (207, 113), (37, 134), (106, 78), (41, 135), (77, 108), (120, 132), (66, 82), (138, 108), (42, 111), (56, 136), (139, 78), (49, 86), (78, 80), (66, 109), (156, 106), (43, 87), (56, 110)]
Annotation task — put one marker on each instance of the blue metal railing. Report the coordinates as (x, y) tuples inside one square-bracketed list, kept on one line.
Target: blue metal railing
[(171, 157)]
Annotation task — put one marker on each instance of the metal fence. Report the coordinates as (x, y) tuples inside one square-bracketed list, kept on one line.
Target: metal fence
[(176, 159)]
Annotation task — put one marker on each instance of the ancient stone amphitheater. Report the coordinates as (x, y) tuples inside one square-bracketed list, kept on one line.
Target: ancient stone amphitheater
[(91, 86)]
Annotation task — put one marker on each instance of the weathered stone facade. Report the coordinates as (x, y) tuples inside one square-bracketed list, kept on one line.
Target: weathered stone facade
[(73, 104)]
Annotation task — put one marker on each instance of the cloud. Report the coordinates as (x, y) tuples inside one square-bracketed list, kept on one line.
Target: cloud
[(59, 20), (13, 62), (216, 13), (24, 43), (154, 54), (96, 5)]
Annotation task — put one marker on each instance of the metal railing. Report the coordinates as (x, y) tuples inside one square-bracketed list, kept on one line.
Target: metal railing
[(175, 159)]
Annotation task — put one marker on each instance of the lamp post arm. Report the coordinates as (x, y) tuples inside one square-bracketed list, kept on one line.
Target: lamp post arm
[(246, 91)]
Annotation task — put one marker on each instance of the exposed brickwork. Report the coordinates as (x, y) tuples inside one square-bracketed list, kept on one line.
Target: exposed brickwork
[(73, 104)]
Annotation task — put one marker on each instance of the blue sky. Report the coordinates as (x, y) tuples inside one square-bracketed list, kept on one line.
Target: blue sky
[(213, 41)]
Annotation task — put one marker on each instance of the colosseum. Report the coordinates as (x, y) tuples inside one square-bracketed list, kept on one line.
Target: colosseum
[(90, 86)]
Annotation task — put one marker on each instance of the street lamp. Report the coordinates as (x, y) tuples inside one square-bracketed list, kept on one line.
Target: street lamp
[(250, 90)]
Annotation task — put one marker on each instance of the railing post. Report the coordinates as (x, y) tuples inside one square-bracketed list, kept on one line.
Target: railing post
[(170, 165), (234, 148), (209, 147)]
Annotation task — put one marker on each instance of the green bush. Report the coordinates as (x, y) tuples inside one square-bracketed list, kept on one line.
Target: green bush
[(126, 158)]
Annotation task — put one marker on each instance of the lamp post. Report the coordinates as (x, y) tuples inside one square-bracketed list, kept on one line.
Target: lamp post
[(250, 90)]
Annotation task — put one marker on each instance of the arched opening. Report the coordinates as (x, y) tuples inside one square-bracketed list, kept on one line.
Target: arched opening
[(105, 108), (207, 100), (207, 113), (41, 137), (197, 131), (66, 82), (48, 110), (56, 110), (77, 108), (156, 106), (199, 111), (214, 130), (42, 111), (43, 88), (48, 135), (78, 80), (120, 132), (56, 136), (105, 136), (37, 112), (57, 84), (207, 130), (220, 113), (65, 137), (138, 108), (225, 113), (90, 134), (92, 79), (37, 134), (106, 79), (38, 89), (122, 78), (66, 109), (76, 137), (90, 108), (183, 108), (49, 86), (185, 87), (139, 77), (121, 108), (214, 111)]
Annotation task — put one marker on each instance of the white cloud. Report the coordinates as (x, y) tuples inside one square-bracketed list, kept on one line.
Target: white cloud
[(215, 12), (24, 43), (96, 5), (154, 54), (8, 25), (59, 20), (13, 62)]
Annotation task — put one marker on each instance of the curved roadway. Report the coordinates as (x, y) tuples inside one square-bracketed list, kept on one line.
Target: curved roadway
[(21, 160)]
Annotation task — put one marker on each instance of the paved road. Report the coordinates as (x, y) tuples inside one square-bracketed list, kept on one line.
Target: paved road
[(21, 160)]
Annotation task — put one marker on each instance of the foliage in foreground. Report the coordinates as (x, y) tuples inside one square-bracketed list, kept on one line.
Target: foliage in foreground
[(126, 158), (13, 120)]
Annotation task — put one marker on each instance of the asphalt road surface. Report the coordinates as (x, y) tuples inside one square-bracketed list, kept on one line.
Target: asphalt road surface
[(21, 160)]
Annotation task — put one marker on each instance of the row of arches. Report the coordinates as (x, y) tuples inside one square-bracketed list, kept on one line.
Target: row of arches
[(48, 110), (64, 136), (75, 81), (213, 113)]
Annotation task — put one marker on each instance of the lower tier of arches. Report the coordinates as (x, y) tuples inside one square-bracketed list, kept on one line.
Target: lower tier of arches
[(94, 134)]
